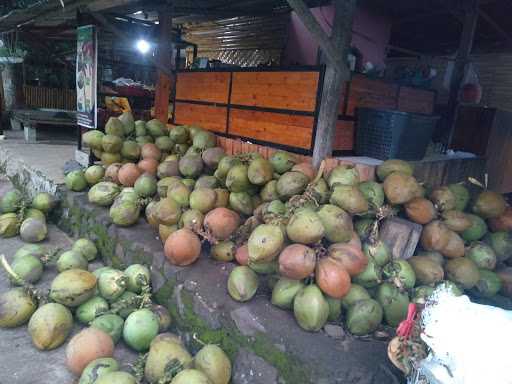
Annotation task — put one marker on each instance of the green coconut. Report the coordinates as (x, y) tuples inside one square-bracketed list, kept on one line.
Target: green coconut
[(462, 271), (191, 166), (112, 284), (189, 183), (114, 127), (336, 222), (225, 164), (180, 193), (212, 157), (242, 283), (164, 143), (214, 363), (156, 128), (88, 311), (179, 134), (269, 191), (356, 293), (71, 260), (223, 251), (140, 128), (168, 212), (16, 307), (11, 201), (222, 200), (290, 184), (364, 317), (35, 250), (285, 291), (140, 328), (489, 205), (501, 243), (482, 255), (191, 219), (349, 198), (241, 202), (193, 151), (130, 150), (401, 272), (50, 326), (461, 194), (43, 202), (146, 185), (168, 168), (394, 165), (94, 174), (421, 294), (189, 376), (99, 271), (117, 378), (103, 193), (427, 271), (73, 287), (207, 181), (373, 193), (363, 228), (33, 230), (450, 286), (141, 140), (93, 138), (163, 185), (265, 243), (282, 161), (345, 174), (204, 140), (335, 309), (203, 199), (164, 317), (76, 181), (181, 149), (34, 214), (393, 302), (166, 349), (111, 324), (124, 213), (377, 251), (9, 225), (477, 230), (138, 276), (260, 171), (97, 368), (110, 158), (443, 199), (320, 191), (489, 283), (112, 144), (28, 267), (310, 308), (370, 277), (305, 227), (237, 178), (264, 267)]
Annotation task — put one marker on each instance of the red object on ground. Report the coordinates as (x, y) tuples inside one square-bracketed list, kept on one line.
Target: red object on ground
[(406, 326)]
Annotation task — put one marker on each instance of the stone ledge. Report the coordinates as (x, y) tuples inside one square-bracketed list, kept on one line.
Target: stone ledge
[(256, 335)]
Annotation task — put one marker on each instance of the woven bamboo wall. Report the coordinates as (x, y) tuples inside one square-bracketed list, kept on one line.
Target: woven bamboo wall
[(56, 98)]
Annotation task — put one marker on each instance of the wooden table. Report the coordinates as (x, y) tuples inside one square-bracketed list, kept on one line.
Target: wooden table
[(30, 119)]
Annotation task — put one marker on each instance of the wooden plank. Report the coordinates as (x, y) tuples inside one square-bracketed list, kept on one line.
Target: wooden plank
[(208, 117), (344, 136), (401, 236), (291, 130), (164, 61), (416, 100), (282, 90), (366, 92), (203, 86)]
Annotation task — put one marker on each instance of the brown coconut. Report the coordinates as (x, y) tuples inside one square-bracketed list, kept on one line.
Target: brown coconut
[(242, 255), (455, 246), (503, 222), (420, 210), (221, 222), (297, 261), (148, 165), (400, 188), (150, 151), (128, 174), (182, 247), (456, 220), (86, 346), (112, 171), (350, 257), (305, 168), (435, 236), (332, 278)]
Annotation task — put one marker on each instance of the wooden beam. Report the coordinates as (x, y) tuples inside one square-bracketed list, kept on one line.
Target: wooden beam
[(496, 27), (462, 58), (164, 59), (321, 37), (336, 73)]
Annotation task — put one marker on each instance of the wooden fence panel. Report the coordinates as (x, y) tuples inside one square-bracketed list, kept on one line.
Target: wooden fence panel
[(54, 98), (206, 116), (281, 90), (203, 86)]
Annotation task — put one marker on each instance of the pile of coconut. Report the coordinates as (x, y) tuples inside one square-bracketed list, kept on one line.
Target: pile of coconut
[(311, 236)]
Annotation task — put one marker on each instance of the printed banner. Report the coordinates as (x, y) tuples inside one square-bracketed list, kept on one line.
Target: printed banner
[(86, 76)]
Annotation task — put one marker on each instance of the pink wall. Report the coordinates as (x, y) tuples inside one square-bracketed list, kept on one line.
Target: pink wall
[(371, 33)]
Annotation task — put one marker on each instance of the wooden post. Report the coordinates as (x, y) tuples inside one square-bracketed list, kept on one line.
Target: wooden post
[(164, 80), (462, 58), (337, 72)]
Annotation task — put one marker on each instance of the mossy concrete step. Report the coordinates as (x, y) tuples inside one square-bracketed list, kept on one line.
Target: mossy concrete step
[(265, 343)]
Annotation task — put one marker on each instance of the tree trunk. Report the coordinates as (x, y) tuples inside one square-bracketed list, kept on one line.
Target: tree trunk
[(12, 86)]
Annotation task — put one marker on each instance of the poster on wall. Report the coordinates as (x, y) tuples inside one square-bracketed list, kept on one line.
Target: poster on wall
[(86, 76)]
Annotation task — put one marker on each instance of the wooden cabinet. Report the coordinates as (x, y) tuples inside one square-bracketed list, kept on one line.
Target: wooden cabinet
[(487, 132)]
